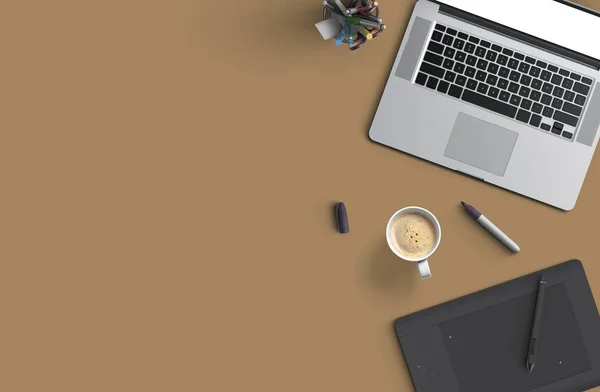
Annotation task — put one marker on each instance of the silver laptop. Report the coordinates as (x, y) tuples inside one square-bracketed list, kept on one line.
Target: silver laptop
[(503, 91)]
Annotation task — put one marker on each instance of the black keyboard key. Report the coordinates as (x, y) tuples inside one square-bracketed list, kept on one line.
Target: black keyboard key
[(480, 51), (556, 79), (489, 103), (547, 88), (460, 56), (432, 82), (524, 91), (471, 84), (493, 68), (526, 80), (557, 103), (572, 109), (526, 104), (504, 96), (524, 67), (450, 76), (565, 118), (449, 52), (451, 31), (535, 95), (546, 99), (569, 96), (513, 87), (440, 27), (475, 40), (552, 68), (502, 59), (546, 127), (437, 36), (558, 125), (482, 88), (459, 68), (537, 108), (513, 64), (519, 56), (568, 135), (455, 91), (504, 72), (541, 64), (482, 64), (459, 44), (443, 87), (497, 48), (493, 92), (546, 76), (580, 100), (462, 35), (491, 55), (471, 60), (421, 79), (586, 80), (448, 64), (485, 44), (536, 84), (469, 48), (507, 52), (503, 83), (460, 80), (535, 72), (567, 83), (536, 120), (480, 75), (523, 115), (432, 70), (564, 72), (556, 131), (558, 92), (470, 72), (548, 112), (581, 88), (435, 47), (433, 58), (491, 80), (447, 40), (514, 76), (515, 100), (530, 60), (575, 76)]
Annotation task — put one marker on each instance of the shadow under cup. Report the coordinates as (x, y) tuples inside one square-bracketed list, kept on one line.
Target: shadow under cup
[(422, 262)]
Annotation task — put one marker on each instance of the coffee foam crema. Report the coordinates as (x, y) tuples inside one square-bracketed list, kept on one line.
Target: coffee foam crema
[(413, 235)]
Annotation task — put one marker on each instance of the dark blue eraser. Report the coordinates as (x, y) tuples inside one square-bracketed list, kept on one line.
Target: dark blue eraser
[(341, 217)]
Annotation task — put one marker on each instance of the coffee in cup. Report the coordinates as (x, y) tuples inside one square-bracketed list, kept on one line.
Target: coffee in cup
[(413, 234)]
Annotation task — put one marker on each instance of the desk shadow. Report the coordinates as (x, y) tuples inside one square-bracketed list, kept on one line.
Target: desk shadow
[(388, 274), (274, 38)]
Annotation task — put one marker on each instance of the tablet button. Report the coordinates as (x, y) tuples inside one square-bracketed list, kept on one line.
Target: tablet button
[(432, 374)]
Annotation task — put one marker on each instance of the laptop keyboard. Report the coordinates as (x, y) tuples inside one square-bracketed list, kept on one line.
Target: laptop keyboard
[(499, 79)]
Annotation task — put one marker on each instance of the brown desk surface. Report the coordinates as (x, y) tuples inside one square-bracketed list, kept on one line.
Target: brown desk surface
[(168, 172)]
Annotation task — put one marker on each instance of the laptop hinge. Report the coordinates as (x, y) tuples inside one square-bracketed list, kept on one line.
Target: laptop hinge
[(520, 36)]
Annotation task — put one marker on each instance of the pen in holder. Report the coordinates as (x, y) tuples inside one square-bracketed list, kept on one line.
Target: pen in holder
[(352, 22)]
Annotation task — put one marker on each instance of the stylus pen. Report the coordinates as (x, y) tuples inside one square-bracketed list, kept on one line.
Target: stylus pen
[(535, 329), (489, 226)]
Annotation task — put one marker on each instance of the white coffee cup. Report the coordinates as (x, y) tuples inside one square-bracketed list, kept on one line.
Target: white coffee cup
[(422, 262)]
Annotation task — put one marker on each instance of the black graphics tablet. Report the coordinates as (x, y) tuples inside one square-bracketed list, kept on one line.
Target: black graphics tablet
[(479, 343)]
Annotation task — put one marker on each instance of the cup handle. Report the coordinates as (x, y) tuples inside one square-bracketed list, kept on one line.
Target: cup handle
[(424, 269)]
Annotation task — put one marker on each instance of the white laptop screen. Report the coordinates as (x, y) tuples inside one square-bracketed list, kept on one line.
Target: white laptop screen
[(546, 19)]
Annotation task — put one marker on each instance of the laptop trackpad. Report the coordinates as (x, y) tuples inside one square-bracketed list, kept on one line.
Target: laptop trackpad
[(481, 144)]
